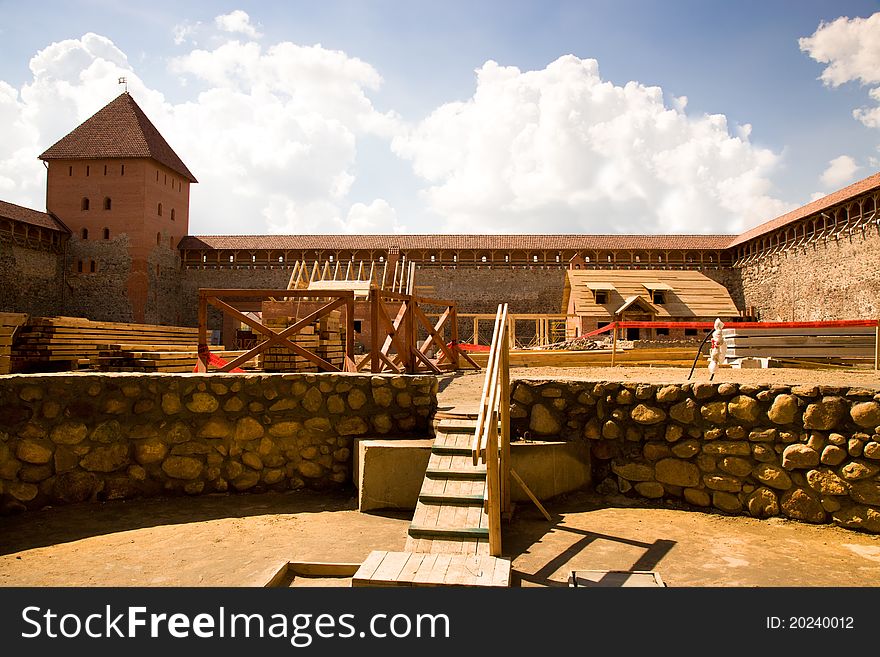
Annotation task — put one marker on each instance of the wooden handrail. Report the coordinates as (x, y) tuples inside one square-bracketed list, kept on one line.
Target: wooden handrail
[(488, 446)]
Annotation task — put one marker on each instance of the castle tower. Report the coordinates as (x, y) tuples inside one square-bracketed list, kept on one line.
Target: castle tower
[(124, 194)]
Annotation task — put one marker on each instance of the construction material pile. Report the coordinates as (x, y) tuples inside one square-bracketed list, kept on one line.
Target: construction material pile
[(325, 338), (9, 324), (579, 344), (69, 343), (158, 358)]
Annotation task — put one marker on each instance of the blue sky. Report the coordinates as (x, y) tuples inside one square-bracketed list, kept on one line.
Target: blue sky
[(397, 156)]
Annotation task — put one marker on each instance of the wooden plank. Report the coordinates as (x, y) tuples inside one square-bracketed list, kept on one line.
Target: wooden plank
[(389, 569), (370, 564)]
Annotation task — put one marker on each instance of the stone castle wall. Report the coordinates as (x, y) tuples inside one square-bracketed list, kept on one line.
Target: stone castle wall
[(31, 280), (807, 453), (834, 280), (71, 438)]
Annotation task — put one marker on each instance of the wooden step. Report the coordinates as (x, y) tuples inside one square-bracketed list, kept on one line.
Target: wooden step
[(475, 473), (449, 450), (452, 500), (449, 532)]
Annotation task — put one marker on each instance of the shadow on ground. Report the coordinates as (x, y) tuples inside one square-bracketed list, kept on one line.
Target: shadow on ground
[(74, 522), (530, 528)]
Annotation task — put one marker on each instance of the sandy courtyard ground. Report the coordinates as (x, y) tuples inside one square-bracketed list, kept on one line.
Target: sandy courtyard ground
[(241, 540)]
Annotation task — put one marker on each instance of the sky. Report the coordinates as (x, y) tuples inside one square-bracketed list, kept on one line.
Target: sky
[(359, 116)]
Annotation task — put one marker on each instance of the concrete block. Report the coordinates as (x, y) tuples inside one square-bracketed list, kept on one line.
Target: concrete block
[(549, 468), (388, 473)]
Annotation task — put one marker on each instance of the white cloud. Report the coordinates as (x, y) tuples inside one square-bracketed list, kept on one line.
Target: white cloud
[(377, 217), (272, 136), (851, 49), (238, 22), (840, 172), (561, 150)]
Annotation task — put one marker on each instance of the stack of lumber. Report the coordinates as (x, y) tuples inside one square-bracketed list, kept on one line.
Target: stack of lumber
[(281, 359), (72, 342), (331, 345), (824, 344), (9, 324), (158, 358)]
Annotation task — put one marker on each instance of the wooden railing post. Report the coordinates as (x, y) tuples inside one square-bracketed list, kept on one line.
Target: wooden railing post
[(504, 404), (203, 350), (493, 484), (349, 335), (375, 344), (453, 329)]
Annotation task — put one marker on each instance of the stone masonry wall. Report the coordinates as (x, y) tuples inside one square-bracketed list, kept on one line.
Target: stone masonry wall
[(32, 280), (804, 452), (76, 437), (835, 280)]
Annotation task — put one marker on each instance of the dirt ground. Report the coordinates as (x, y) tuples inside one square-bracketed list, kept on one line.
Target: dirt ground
[(242, 540)]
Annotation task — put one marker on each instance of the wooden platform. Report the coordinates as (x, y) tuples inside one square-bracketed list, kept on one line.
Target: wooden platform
[(383, 568)]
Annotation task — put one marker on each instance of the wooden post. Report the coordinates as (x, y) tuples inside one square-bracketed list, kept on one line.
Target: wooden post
[(453, 329), (492, 483), (203, 350), (505, 429), (613, 342), (375, 344), (877, 346), (349, 335), (476, 330), (511, 332)]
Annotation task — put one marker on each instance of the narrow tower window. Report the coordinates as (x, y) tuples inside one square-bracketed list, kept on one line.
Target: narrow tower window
[(105, 169), (172, 214), (107, 203), (69, 171), (79, 266), (122, 170), (158, 238), (85, 233), (87, 169), (160, 209), (106, 233), (92, 266), (84, 205)]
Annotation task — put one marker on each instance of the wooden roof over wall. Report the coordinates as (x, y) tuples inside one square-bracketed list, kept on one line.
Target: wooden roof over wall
[(692, 293)]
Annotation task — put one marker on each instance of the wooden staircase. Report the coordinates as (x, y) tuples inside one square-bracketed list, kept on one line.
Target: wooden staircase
[(450, 517)]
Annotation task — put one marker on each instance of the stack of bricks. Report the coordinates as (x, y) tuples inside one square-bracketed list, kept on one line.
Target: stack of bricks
[(332, 339), (278, 358), (324, 338)]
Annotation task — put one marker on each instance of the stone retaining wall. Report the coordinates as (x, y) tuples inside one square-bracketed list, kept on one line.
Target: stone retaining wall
[(805, 452), (75, 437)]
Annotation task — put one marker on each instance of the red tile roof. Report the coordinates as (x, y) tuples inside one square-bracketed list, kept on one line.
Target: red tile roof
[(841, 195), (32, 217), (454, 242), (119, 130)]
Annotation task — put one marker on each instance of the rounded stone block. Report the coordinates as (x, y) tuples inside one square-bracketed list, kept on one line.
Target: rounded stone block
[(744, 408), (762, 503), (182, 467), (866, 414), (799, 504), (633, 471), (649, 489), (799, 456), (677, 472), (826, 414)]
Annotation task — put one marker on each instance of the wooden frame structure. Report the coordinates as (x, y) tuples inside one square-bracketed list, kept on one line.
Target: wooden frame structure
[(395, 319), (337, 299)]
